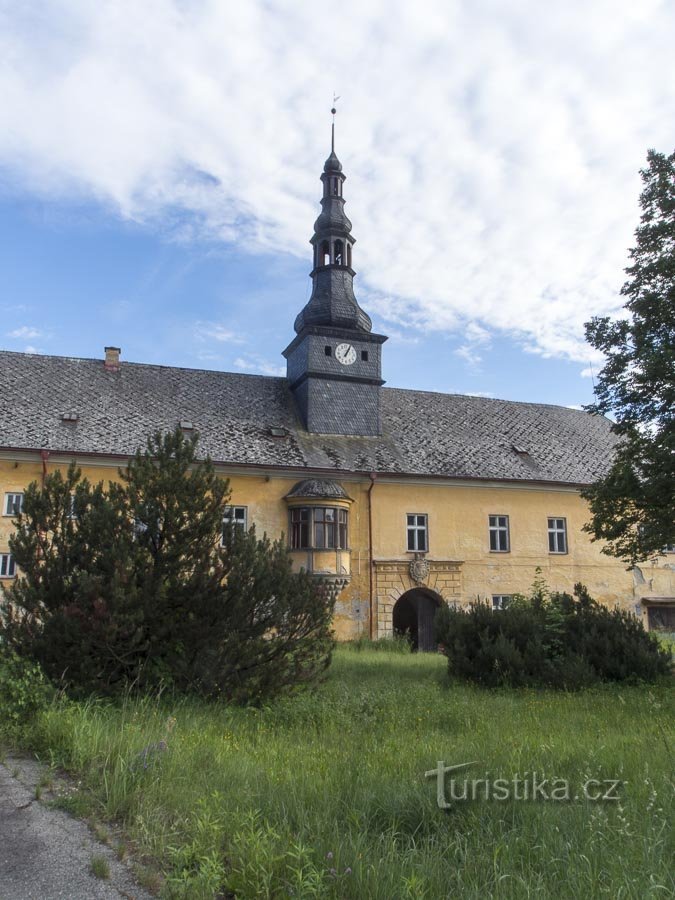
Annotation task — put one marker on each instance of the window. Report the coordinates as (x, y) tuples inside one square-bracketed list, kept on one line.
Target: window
[(319, 528), (364, 355), (327, 350), (13, 504), (7, 566), (417, 533), (299, 528), (499, 534), (557, 536), (669, 548), (234, 515), (500, 601)]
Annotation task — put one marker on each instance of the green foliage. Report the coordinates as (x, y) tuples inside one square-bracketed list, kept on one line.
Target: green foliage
[(137, 584), (323, 793), (632, 506), (549, 639), (24, 690), (397, 643)]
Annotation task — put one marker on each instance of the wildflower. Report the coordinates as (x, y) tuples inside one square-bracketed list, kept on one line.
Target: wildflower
[(329, 855), (348, 870)]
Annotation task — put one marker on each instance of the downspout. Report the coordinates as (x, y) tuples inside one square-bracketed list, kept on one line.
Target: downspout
[(45, 456), (371, 617)]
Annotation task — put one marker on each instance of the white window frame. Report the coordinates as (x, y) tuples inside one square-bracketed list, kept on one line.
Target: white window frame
[(555, 531), (230, 515), (10, 501), (7, 566), (498, 601), (496, 529), (414, 529), (669, 548)]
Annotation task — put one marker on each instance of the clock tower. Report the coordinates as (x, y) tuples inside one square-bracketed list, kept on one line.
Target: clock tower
[(334, 363)]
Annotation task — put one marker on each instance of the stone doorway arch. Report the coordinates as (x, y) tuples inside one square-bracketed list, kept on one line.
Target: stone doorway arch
[(413, 615)]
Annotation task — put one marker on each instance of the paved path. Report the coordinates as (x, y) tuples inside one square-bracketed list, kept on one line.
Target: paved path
[(45, 854)]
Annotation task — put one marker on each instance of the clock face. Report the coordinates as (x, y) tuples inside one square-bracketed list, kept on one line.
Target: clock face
[(345, 354)]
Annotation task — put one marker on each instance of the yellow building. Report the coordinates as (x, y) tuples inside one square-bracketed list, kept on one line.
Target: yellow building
[(402, 500)]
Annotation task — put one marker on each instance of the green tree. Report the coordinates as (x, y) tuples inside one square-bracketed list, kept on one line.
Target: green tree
[(633, 506), (140, 584)]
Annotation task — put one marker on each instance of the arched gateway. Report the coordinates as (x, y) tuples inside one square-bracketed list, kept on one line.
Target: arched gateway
[(414, 614)]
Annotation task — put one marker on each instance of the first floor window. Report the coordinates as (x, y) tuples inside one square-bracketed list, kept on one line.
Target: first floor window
[(7, 566), (499, 534), (557, 536), (319, 528), (417, 532), (234, 515), (500, 601), (13, 504), (669, 548)]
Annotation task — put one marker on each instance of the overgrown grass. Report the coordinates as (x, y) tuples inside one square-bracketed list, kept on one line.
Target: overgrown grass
[(324, 795)]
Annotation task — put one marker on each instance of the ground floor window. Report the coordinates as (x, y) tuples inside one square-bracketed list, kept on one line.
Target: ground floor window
[(500, 601)]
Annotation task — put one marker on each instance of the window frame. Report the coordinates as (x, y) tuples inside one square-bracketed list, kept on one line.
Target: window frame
[(6, 509), (554, 532), (498, 531), (496, 607), (234, 519), (303, 524), (8, 563), (414, 530)]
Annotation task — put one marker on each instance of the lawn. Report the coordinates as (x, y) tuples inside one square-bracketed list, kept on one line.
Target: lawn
[(324, 794)]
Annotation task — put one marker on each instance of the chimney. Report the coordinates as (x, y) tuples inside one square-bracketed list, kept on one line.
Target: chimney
[(112, 359)]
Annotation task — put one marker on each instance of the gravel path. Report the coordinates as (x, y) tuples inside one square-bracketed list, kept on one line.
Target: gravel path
[(46, 854)]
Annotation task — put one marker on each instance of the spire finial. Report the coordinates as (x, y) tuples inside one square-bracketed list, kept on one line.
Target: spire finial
[(332, 127)]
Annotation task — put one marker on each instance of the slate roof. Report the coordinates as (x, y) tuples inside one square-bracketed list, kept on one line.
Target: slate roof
[(318, 488), (426, 434)]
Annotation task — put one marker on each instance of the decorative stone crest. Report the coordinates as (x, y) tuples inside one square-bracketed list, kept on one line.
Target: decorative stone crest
[(419, 570)]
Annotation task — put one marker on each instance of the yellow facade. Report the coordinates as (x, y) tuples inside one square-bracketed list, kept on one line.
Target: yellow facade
[(376, 571)]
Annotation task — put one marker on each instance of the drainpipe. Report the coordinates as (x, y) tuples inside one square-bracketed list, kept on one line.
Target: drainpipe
[(44, 454), (372, 620)]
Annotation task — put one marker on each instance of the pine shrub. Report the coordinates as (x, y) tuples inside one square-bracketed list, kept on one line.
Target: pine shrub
[(550, 639)]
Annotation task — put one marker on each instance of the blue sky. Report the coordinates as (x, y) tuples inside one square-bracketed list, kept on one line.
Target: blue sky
[(159, 169)]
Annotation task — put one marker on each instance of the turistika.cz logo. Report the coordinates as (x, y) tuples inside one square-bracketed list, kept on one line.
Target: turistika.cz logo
[(527, 786)]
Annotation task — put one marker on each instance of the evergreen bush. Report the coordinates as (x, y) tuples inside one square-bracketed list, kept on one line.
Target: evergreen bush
[(550, 639), (141, 585)]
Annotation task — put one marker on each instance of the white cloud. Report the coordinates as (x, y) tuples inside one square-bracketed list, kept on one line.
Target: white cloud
[(24, 331), (214, 331), (258, 364), (492, 149)]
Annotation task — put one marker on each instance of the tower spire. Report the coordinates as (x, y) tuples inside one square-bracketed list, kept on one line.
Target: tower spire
[(333, 301)]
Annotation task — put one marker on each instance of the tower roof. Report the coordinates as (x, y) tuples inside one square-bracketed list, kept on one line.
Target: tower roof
[(332, 302), (332, 164)]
